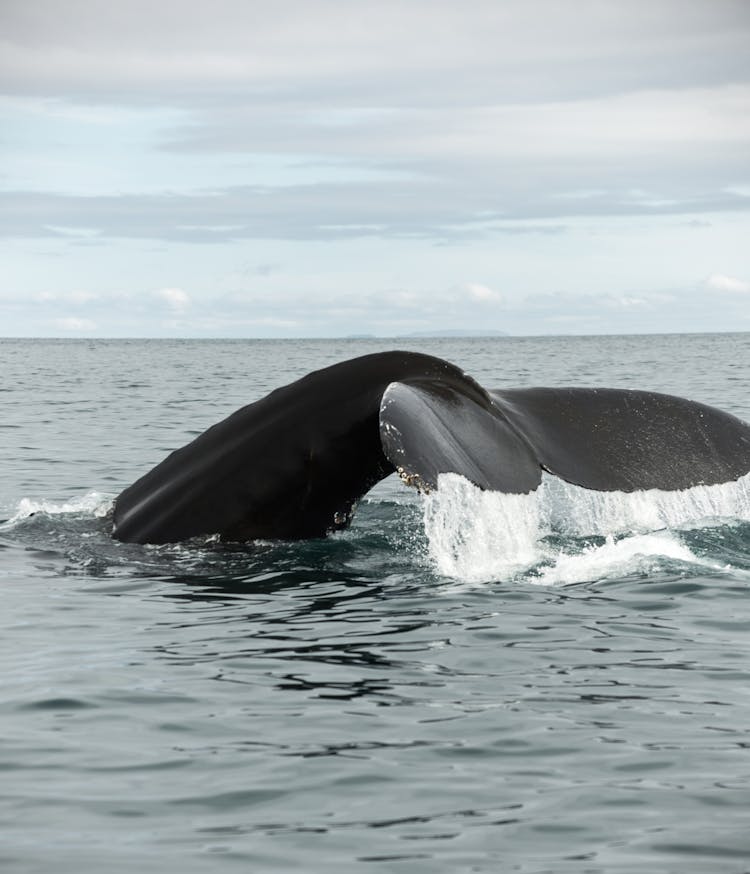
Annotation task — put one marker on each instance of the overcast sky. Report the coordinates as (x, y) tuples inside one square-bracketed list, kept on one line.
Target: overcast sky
[(329, 167)]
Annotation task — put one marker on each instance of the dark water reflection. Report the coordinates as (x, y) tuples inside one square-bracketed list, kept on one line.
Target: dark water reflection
[(270, 712)]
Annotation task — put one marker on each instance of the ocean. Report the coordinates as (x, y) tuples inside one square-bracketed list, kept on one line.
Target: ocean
[(465, 682)]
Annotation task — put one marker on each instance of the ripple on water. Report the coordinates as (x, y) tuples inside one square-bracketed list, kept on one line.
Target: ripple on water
[(398, 697)]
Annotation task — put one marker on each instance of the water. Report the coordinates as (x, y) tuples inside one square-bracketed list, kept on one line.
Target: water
[(547, 683)]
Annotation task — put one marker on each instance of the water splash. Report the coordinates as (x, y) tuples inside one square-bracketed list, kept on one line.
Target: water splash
[(475, 535), (558, 535), (92, 503), (638, 553), (573, 510)]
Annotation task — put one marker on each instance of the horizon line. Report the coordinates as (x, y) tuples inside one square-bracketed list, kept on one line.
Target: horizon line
[(371, 337)]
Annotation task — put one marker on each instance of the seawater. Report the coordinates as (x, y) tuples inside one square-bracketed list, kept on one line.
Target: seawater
[(464, 682)]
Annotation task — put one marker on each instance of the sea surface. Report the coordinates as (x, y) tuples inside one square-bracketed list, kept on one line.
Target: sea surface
[(468, 682)]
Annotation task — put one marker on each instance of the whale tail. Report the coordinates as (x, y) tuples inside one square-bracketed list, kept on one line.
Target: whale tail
[(293, 464), (603, 439)]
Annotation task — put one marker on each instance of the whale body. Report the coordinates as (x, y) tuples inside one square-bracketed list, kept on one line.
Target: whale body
[(293, 464)]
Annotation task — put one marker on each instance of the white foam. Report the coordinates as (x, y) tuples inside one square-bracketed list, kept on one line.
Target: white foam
[(475, 535), (93, 503), (614, 558), (570, 509)]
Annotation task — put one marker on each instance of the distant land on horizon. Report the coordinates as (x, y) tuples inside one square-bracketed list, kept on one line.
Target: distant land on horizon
[(448, 332), (458, 332)]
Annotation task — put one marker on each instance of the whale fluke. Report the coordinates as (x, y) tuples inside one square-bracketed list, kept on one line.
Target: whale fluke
[(289, 466), (628, 440), (428, 428), (293, 464)]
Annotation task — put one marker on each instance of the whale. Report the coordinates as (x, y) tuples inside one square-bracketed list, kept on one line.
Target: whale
[(293, 464)]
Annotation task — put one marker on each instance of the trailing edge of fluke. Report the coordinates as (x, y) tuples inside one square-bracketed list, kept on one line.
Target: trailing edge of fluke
[(293, 464)]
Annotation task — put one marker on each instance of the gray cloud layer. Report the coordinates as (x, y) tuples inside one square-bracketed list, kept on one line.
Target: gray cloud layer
[(329, 212), (330, 120), (536, 110), (393, 53)]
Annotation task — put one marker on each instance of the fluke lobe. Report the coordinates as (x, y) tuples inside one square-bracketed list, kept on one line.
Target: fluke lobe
[(293, 464)]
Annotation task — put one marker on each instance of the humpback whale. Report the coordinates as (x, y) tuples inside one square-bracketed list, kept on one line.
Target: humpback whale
[(293, 464)]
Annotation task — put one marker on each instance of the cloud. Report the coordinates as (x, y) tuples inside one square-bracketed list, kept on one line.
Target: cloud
[(382, 153), (500, 204), (482, 293), (721, 282), (384, 312), (442, 125), (77, 297), (175, 298), (626, 301), (400, 53), (75, 324)]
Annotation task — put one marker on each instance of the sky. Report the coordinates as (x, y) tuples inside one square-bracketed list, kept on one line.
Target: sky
[(320, 168)]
